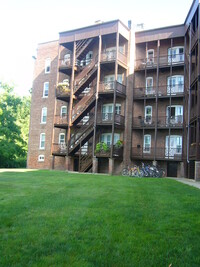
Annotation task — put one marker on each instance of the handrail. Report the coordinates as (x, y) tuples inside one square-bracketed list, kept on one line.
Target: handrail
[(58, 119), (163, 90)]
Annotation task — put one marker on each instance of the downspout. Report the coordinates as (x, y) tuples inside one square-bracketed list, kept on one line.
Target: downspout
[(189, 98)]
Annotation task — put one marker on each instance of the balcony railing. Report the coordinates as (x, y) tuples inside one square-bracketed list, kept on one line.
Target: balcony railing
[(194, 75), (61, 120), (165, 60), (63, 90), (117, 152), (108, 87), (163, 90), (194, 38), (162, 121), (59, 149), (106, 118), (161, 153), (122, 57), (108, 56)]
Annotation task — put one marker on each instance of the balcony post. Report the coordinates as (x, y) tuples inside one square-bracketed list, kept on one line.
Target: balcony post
[(95, 165), (111, 164), (97, 94)]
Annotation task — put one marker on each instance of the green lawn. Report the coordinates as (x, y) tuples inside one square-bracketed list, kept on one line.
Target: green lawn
[(50, 218)]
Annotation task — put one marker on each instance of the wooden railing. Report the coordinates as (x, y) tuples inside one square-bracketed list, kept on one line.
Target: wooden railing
[(117, 152), (82, 45), (59, 149), (160, 153), (162, 121), (106, 118), (61, 120), (109, 87), (164, 60), (163, 90)]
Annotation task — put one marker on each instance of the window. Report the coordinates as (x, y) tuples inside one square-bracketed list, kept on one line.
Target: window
[(176, 54), (46, 89), (88, 58), (148, 114), (109, 81), (175, 84), (47, 65), (149, 86), (173, 145), (63, 111), (107, 111), (107, 138), (61, 138), (67, 59), (174, 114), (42, 141), (147, 143), (44, 115), (150, 56), (41, 158)]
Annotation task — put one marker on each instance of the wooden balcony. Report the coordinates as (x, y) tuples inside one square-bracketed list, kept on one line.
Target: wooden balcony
[(63, 92), (162, 61), (108, 88), (161, 153), (59, 149), (117, 153), (163, 91), (107, 119), (163, 122), (194, 38), (61, 122)]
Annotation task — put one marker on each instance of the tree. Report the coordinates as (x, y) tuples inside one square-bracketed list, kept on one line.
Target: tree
[(14, 121)]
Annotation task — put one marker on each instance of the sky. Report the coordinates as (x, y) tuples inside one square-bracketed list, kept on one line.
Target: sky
[(25, 23)]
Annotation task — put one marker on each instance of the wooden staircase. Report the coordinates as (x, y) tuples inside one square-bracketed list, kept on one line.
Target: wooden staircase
[(81, 136), (85, 162), (82, 45)]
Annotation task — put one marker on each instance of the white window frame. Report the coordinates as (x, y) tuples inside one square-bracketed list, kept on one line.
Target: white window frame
[(44, 116), (61, 139), (146, 146), (63, 115), (48, 65), (176, 149), (178, 87), (42, 141), (174, 55), (150, 60), (178, 117), (104, 138), (149, 89), (148, 117), (41, 158), (46, 89)]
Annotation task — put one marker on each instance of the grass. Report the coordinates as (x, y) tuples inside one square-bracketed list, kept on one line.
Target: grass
[(50, 218)]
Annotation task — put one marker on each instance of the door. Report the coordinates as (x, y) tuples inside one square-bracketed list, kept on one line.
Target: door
[(176, 54), (175, 114), (173, 146), (172, 169), (107, 112), (150, 56), (175, 84), (149, 85), (109, 81), (148, 115)]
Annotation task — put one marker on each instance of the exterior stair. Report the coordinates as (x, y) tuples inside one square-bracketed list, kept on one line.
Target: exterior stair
[(81, 136), (83, 106), (85, 77), (82, 45), (85, 162)]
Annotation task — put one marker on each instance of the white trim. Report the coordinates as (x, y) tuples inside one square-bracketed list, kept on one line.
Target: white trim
[(63, 140), (147, 147), (42, 139), (41, 158), (149, 89), (44, 116), (44, 90), (148, 117), (47, 68)]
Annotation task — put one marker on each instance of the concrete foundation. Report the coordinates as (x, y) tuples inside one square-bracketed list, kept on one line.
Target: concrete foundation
[(111, 166), (95, 165)]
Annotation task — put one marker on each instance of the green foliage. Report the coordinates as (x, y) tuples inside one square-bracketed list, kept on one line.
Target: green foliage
[(14, 125), (51, 218), (102, 147), (119, 144)]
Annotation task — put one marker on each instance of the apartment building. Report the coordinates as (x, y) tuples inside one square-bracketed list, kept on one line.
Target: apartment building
[(90, 112)]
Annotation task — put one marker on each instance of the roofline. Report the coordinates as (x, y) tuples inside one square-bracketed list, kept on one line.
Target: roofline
[(48, 42), (192, 5), (96, 25), (161, 28)]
